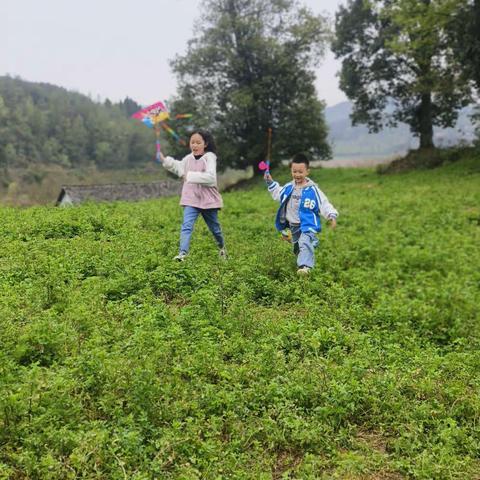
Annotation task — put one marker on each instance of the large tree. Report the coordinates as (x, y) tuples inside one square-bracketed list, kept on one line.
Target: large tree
[(398, 64), (249, 68)]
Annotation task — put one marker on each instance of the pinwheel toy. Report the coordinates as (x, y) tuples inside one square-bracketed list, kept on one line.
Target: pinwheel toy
[(156, 116), (265, 165)]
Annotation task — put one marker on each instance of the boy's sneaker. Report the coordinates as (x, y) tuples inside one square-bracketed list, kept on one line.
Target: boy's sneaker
[(181, 257), (222, 253), (304, 270)]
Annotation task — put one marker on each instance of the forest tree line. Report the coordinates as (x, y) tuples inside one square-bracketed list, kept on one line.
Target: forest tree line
[(46, 124)]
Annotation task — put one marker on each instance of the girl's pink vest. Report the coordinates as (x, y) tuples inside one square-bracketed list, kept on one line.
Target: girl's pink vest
[(196, 194)]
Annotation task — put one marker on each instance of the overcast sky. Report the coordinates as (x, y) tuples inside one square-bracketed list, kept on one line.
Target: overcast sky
[(114, 48)]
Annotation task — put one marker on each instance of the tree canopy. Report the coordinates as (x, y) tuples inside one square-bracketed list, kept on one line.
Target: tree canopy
[(249, 68), (465, 35), (398, 64)]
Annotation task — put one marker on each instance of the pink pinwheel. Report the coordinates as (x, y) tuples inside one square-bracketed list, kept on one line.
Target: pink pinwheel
[(264, 165)]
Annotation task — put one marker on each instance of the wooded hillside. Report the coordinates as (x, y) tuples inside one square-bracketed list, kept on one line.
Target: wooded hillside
[(46, 124)]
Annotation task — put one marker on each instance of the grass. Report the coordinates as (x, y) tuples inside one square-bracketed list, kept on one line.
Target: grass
[(118, 363)]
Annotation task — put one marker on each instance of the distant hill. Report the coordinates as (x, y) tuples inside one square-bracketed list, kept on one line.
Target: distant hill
[(44, 124), (348, 141)]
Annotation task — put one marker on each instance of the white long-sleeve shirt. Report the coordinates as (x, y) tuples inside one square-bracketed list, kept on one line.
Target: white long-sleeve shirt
[(200, 185)]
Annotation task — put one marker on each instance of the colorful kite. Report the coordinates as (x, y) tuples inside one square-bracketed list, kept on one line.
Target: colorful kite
[(156, 116)]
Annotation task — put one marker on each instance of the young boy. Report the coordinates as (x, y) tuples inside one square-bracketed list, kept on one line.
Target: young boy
[(301, 204)]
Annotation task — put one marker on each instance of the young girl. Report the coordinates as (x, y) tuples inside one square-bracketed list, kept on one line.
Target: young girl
[(200, 195)]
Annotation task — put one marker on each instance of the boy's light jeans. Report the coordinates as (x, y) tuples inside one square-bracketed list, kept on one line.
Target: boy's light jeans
[(304, 245), (190, 215)]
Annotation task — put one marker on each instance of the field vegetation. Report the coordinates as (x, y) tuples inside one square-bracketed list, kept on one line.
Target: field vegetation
[(116, 362)]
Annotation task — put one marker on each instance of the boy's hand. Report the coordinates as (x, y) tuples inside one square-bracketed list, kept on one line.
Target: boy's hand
[(286, 235), (267, 177), (333, 223)]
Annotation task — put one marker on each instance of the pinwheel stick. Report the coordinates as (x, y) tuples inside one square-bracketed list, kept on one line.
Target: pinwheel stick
[(265, 165), (269, 145)]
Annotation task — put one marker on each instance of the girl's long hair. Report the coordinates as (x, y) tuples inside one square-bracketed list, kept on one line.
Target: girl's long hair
[(208, 139)]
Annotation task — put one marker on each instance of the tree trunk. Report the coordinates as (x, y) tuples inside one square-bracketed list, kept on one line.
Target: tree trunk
[(425, 119), (476, 56)]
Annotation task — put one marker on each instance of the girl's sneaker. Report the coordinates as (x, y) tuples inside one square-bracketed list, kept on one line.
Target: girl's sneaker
[(222, 253), (181, 257), (304, 270)]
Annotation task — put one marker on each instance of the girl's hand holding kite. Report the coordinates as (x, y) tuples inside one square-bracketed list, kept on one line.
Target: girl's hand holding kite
[(161, 159), (160, 155)]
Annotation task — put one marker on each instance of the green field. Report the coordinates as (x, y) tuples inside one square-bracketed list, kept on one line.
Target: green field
[(116, 363)]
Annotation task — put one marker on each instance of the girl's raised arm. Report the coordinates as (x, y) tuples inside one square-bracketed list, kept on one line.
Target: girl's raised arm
[(175, 166)]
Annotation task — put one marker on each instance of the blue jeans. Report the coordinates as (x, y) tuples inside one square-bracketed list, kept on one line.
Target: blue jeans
[(190, 215), (304, 244)]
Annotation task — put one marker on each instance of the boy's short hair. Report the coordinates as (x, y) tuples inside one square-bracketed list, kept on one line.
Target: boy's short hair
[(300, 158)]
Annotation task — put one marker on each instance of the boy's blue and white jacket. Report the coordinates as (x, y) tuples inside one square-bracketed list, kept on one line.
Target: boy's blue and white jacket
[(313, 203)]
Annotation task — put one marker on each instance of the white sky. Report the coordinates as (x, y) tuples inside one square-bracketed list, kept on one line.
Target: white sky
[(114, 48)]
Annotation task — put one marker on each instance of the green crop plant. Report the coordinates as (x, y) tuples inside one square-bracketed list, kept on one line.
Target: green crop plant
[(116, 362)]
